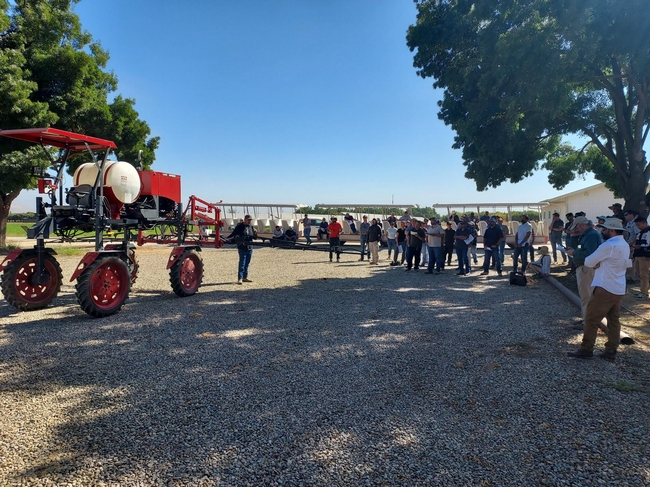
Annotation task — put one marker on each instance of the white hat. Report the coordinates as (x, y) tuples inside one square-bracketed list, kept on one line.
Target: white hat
[(612, 224)]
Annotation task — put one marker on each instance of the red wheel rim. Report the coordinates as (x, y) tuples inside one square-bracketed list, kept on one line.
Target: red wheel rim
[(109, 284), (31, 292), (191, 270)]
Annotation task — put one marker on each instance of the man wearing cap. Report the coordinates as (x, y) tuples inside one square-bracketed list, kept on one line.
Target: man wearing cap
[(610, 261), (492, 238), (243, 234), (541, 265), (485, 217), (617, 209), (555, 230), (588, 242)]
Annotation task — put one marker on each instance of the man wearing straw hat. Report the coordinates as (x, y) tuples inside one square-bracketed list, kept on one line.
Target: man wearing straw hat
[(610, 262), (543, 264)]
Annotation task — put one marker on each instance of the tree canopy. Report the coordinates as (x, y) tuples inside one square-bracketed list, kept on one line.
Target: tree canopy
[(522, 77), (52, 73)]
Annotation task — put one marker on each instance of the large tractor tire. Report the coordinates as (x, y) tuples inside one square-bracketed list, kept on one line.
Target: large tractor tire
[(20, 285), (186, 274), (104, 286)]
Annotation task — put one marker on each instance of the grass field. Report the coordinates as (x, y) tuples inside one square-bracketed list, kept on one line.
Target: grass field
[(16, 229)]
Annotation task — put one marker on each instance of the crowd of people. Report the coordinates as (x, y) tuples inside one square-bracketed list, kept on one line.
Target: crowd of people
[(605, 255)]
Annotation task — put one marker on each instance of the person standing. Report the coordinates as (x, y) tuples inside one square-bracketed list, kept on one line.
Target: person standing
[(642, 255), (243, 235), (415, 238), (589, 240), (630, 234), (463, 233), (435, 239), (392, 219), (391, 238), (555, 230), (502, 246), (521, 244), (363, 237), (492, 238), (401, 243), (610, 261), (424, 251), (405, 217), (449, 244), (617, 210), (374, 238), (306, 229), (334, 230)]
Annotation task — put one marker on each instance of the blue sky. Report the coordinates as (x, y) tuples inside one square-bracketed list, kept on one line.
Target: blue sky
[(288, 101)]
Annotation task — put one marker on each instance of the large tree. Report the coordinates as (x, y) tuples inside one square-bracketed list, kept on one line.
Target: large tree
[(52, 73), (521, 76)]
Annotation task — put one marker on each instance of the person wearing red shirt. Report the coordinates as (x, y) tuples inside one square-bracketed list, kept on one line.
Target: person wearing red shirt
[(334, 229)]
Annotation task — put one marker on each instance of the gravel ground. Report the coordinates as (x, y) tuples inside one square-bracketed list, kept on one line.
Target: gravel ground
[(317, 373)]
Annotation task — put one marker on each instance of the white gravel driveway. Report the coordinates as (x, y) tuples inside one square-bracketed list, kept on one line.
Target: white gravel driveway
[(317, 374)]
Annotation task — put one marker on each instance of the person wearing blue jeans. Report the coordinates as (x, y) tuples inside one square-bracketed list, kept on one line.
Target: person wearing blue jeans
[(521, 244), (463, 232), (242, 235), (363, 238), (306, 224), (435, 241), (492, 238)]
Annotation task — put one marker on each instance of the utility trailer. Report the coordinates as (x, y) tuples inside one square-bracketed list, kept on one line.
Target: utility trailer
[(141, 206)]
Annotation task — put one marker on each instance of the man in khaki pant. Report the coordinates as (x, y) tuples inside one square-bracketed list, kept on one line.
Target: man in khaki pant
[(589, 241), (642, 255), (610, 262)]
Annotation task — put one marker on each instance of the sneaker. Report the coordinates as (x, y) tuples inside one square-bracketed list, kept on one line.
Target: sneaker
[(416, 269), (500, 273), (360, 260), (641, 296), (609, 356), (484, 273), (238, 281), (246, 279), (407, 270), (580, 354)]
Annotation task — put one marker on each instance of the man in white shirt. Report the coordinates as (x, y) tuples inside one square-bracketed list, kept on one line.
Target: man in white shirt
[(522, 238), (435, 240), (610, 260)]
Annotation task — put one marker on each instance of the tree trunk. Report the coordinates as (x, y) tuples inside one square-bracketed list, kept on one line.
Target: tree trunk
[(635, 195), (4, 215), (5, 206)]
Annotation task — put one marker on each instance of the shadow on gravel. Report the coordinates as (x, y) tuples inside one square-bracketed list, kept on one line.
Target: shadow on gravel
[(409, 379)]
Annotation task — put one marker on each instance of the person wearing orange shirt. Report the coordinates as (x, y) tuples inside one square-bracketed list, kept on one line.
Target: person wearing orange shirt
[(334, 230)]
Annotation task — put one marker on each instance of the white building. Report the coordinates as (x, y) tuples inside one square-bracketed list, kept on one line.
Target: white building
[(594, 201)]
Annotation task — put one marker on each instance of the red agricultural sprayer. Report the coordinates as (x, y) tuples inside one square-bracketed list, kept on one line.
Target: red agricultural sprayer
[(107, 196)]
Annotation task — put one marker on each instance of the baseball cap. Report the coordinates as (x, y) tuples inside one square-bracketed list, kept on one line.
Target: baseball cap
[(615, 205), (578, 220)]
